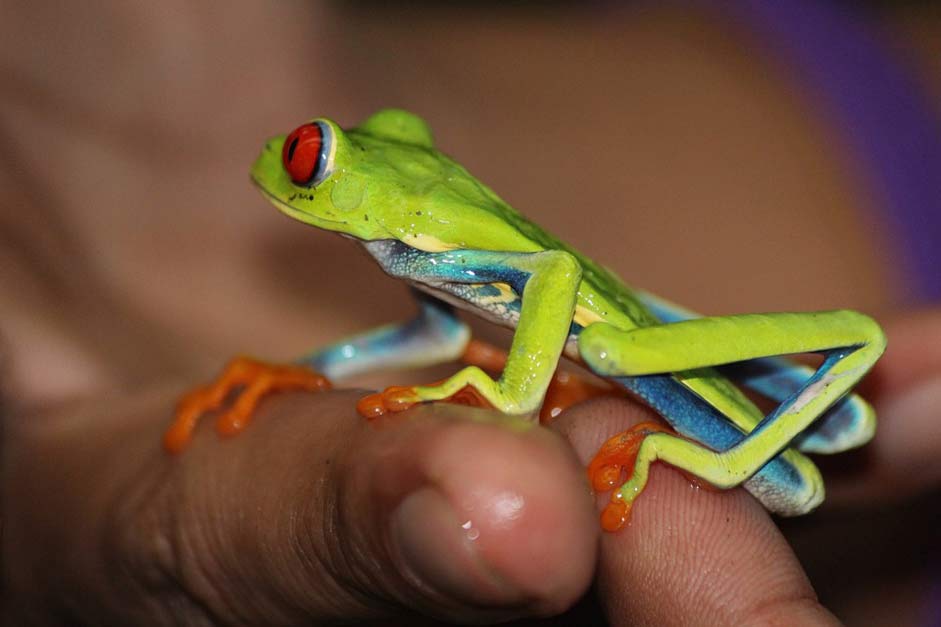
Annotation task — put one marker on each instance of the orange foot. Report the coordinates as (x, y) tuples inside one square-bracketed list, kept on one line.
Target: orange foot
[(616, 458), (257, 380), (399, 398), (565, 389)]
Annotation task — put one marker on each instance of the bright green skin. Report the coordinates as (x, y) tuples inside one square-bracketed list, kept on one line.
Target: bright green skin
[(387, 182), (384, 189)]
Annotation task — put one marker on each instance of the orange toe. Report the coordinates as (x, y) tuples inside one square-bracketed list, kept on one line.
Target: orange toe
[(618, 454), (254, 379), (615, 515), (180, 432), (613, 464), (371, 406), (399, 398), (234, 421), (395, 398)]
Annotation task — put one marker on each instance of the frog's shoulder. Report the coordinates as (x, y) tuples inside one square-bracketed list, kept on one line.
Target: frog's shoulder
[(598, 278)]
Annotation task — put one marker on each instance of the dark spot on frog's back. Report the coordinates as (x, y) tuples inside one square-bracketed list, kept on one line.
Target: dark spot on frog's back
[(366, 217)]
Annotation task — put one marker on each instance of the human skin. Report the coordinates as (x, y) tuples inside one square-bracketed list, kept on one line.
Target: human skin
[(136, 258), (315, 515)]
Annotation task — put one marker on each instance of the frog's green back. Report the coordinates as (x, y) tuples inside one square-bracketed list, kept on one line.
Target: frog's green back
[(596, 278), (385, 180), (444, 206)]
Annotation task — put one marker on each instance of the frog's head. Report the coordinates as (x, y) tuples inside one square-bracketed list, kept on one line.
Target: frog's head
[(350, 181)]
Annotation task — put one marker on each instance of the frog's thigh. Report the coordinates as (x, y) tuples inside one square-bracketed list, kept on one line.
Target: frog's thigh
[(436, 335), (547, 304), (848, 424)]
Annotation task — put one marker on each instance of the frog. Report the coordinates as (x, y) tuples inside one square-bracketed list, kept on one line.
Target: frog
[(430, 223)]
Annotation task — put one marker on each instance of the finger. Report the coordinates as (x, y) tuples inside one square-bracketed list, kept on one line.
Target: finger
[(310, 515), (905, 389), (913, 352), (691, 556), (317, 514)]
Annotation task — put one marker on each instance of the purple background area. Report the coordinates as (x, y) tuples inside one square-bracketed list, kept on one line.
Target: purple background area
[(873, 99)]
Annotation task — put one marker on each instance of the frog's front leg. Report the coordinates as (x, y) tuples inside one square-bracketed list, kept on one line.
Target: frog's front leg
[(566, 388), (255, 379), (851, 342), (434, 336), (546, 284)]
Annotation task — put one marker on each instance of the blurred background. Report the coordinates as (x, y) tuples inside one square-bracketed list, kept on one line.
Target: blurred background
[(731, 156)]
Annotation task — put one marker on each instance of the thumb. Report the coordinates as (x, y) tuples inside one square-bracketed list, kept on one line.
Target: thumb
[(315, 514)]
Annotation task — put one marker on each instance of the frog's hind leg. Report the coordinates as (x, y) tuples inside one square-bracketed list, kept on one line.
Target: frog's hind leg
[(782, 485), (850, 342), (850, 423), (435, 335)]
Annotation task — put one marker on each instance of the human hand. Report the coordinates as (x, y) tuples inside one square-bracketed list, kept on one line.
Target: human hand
[(314, 515)]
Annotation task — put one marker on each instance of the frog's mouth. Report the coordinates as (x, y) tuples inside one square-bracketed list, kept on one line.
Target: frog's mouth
[(301, 216)]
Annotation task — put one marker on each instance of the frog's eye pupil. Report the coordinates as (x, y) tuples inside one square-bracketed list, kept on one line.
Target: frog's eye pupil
[(304, 155), (293, 148)]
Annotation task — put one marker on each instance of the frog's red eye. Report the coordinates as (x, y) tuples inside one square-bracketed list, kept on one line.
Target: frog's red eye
[(306, 152)]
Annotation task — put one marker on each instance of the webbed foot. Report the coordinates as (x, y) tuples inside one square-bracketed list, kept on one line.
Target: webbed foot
[(614, 459), (565, 388), (256, 380), (399, 398)]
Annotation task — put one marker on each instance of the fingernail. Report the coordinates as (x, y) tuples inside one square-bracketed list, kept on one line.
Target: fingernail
[(438, 550)]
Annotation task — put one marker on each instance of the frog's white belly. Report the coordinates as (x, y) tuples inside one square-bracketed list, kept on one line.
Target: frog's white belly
[(503, 310)]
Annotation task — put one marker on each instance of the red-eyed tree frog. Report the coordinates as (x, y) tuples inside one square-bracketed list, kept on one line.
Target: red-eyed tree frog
[(427, 221)]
